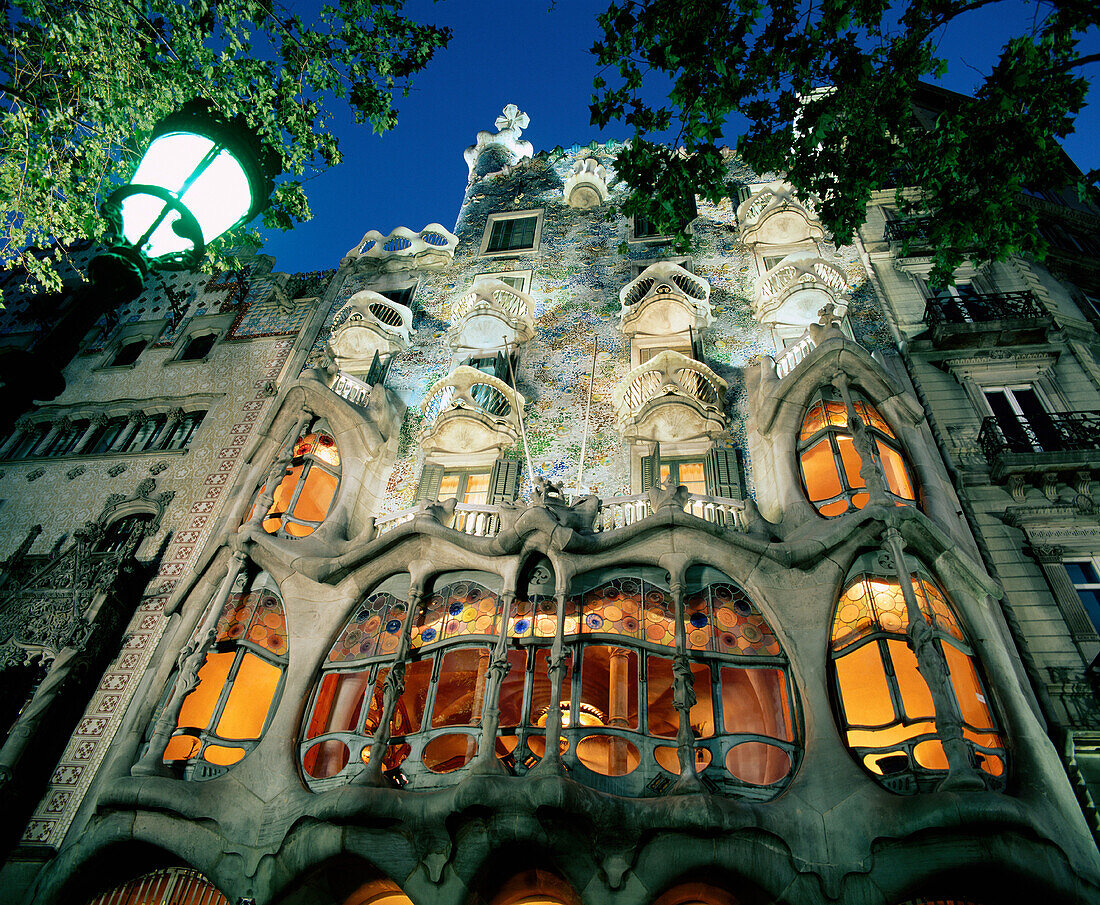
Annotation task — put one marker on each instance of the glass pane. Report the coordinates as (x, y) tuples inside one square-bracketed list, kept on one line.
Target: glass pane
[(755, 700), (460, 691), (450, 752), (660, 616), (697, 623), (661, 714), (249, 699), (608, 755), (285, 491), (198, 706), (897, 475), (614, 608), (477, 490), (820, 473), (540, 687), (511, 689), (691, 476), (326, 758), (968, 688), (851, 460), (758, 763), (339, 703), (448, 487), (701, 715), (916, 699), (1082, 572), (609, 686), (408, 716), (316, 496), (864, 689), (813, 422)]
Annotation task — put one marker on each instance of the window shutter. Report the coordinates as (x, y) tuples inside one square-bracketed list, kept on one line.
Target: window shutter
[(503, 481), (722, 468), (430, 479), (374, 373), (651, 468)]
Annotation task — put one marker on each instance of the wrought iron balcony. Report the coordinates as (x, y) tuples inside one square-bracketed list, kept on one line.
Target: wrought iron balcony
[(1059, 441), (1005, 318), (911, 232)]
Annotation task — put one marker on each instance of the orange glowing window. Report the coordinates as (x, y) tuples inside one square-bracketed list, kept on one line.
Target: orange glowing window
[(304, 497), (224, 717), (171, 886), (885, 706), (831, 465)]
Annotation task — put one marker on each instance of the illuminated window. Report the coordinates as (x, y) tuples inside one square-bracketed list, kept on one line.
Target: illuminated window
[(689, 472), (304, 497), (829, 461), (225, 716), (884, 703), (170, 886)]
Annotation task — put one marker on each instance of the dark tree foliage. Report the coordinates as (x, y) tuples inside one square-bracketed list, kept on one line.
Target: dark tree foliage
[(828, 89), (83, 82)]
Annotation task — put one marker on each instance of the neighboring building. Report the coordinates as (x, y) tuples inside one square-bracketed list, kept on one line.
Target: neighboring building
[(737, 584)]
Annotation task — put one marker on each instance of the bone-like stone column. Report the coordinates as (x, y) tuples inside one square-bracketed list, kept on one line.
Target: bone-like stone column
[(499, 665), (683, 697)]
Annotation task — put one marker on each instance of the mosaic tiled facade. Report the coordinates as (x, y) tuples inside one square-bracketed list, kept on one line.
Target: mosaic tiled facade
[(767, 627)]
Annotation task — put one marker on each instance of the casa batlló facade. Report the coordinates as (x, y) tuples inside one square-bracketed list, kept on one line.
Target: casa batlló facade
[(533, 561)]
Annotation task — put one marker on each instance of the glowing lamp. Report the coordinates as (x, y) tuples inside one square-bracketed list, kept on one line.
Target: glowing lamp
[(201, 176)]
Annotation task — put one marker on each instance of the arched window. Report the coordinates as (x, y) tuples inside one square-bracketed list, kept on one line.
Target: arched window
[(304, 497), (884, 703), (239, 682), (435, 721), (829, 461), (169, 886)]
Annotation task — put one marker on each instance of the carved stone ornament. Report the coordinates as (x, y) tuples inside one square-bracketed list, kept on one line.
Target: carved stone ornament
[(431, 248), (1051, 553), (470, 411), (34, 475), (506, 142), (158, 467), (75, 472), (670, 398), (775, 216), (368, 323), (586, 187), (796, 289), (115, 470), (491, 315)]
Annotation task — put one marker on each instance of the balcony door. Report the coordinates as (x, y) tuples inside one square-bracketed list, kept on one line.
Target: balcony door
[(1023, 417)]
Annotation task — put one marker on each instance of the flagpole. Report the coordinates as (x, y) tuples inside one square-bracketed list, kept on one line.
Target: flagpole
[(587, 416)]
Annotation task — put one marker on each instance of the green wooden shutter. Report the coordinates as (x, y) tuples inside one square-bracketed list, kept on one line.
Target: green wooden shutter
[(430, 479), (651, 468), (503, 481), (722, 468)]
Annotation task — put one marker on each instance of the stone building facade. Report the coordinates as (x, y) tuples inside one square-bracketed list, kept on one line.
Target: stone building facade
[(725, 525)]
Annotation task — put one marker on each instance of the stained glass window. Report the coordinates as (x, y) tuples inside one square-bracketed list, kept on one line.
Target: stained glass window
[(224, 717), (884, 702), (304, 497), (830, 464)]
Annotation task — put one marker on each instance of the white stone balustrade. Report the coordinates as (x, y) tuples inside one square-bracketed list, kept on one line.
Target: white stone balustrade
[(614, 513), (774, 216), (586, 187), (665, 300), (491, 315), (350, 388), (670, 398), (470, 411), (367, 323), (432, 247), (798, 287)]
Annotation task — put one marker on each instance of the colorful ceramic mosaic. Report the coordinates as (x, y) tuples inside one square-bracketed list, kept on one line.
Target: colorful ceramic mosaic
[(874, 603)]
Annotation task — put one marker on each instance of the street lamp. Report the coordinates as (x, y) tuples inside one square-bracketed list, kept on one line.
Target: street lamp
[(201, 175)]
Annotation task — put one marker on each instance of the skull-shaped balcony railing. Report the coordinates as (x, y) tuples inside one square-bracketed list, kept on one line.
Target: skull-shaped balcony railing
[(665, 300), (774, 216), (470, 411), (670, 398), (798, 287), (432, 247), (586, 186), (369, 325), (491, 315)]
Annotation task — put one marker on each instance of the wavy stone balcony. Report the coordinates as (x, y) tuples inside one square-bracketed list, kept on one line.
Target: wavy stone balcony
[(797, 288), (368, 323), (432, 247), (586, 187), (1003, 319), (491, 315), (670, 398), (774, 216), (470, 411), (665, 300)]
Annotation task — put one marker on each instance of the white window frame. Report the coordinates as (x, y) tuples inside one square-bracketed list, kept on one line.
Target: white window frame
[(512, 215)]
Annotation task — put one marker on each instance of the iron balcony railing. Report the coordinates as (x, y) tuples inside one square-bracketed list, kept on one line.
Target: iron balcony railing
[(983, 307), (1059, 432), (912, 230)]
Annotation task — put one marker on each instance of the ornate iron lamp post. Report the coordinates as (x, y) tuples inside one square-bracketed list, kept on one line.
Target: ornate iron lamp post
[(201, 176)]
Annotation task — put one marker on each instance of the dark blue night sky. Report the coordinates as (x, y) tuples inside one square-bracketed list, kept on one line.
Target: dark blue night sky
[(524, 53)]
